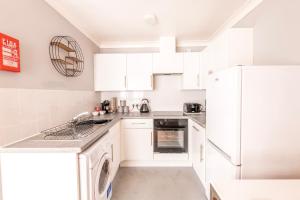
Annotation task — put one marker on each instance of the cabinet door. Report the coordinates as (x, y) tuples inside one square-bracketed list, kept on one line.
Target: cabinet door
[(218, 168), (168, 64), (191, 76), (137, 144), (202, 155), (223, 96), (110, 72), (198, 153), (115, 147), (204, 68), (221, 52), (240, 46), (231, 48), (195, 147), (139, 72)]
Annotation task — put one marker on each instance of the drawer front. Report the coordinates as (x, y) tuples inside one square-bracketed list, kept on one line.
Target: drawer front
[(137, 123)]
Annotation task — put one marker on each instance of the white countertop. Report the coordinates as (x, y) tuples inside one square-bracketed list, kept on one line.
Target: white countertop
[(258, 189)]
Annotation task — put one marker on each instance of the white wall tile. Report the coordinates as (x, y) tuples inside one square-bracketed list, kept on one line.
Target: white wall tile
[(25, 112), (167, 95)]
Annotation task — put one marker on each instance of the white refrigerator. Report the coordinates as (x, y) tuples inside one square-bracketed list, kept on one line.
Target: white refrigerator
[(253, 123)]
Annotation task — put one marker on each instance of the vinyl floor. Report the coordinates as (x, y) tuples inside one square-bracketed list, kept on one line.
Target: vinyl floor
[(157, 184)]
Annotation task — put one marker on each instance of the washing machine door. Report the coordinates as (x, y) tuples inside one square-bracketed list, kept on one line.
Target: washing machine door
[(102, 190)]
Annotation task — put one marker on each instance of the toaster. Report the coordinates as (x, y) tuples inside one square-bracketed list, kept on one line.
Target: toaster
[(192, 108)]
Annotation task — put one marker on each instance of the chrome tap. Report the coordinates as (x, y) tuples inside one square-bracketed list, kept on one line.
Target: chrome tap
[(81, 117)]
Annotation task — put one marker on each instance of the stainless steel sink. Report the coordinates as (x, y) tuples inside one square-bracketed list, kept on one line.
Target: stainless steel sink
[(71, 131)]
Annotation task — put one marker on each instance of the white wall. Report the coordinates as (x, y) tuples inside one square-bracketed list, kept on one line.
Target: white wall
[(276, 32), (167, 95), (47, 98), (34, 23)]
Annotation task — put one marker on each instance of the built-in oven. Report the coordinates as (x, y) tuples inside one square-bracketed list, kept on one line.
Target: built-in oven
[(170, 135)]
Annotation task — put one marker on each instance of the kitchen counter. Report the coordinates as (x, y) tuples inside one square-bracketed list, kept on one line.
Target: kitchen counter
[(199, 119), (258, 189), (37, 143)]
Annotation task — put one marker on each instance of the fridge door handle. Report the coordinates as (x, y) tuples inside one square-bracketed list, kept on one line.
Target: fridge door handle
[(125, 81), (151, 79), (112, 152), (201, 153)]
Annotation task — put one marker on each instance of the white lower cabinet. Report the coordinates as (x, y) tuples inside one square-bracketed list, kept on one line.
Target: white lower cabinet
[(36, 176), (137, 140), (137, 144), (198, 150)]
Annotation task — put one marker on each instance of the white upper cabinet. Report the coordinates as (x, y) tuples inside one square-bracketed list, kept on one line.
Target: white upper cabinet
[(139, 71), (110, 72), (195, 71), (191, 71), (233, 47), (205, 63), (168, 63)]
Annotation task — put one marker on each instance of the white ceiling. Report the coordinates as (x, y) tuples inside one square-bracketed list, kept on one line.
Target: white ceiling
[(122, 20)]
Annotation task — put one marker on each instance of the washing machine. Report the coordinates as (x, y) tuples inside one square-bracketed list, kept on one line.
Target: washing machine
[(95, 168)]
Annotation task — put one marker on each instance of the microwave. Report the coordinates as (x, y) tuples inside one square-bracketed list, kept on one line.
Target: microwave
[(192, 108)]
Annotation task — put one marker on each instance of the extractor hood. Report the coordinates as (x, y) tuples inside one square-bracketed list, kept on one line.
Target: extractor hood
[(167, 61)]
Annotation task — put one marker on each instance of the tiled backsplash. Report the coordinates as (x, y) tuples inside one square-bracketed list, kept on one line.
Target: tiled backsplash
[(166, 96), (25, 112)]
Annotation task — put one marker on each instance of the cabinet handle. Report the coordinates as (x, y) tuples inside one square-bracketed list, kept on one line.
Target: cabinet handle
[(138, 123), (195, 128), (125, 81), (112, 152), (151, 79), (151, 138), (201, 153), (198, 80)]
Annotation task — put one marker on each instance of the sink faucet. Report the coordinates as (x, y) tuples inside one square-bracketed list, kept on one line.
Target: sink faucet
[(81, 117)]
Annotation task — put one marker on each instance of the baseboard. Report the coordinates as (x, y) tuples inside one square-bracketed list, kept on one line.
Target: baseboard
[(155, 163)]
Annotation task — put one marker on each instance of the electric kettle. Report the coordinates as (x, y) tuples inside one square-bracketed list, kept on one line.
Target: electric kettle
[(144, 107)]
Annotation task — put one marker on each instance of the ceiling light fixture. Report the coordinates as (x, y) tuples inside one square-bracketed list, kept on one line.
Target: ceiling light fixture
[(150, 19)]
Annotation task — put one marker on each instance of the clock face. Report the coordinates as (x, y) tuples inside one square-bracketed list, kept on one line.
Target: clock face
[(66, 56)]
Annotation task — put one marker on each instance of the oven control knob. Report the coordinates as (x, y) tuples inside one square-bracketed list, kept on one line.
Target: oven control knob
[(161, 122)]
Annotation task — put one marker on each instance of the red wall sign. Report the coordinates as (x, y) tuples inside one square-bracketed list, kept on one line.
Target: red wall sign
[(9, 53)]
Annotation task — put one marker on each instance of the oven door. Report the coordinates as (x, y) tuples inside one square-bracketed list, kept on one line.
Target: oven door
[(170, 140)]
